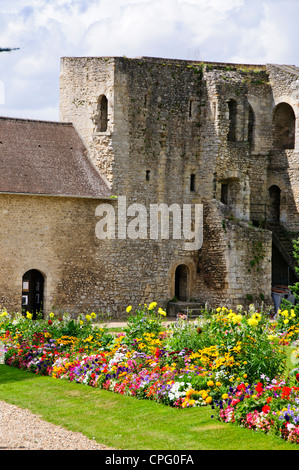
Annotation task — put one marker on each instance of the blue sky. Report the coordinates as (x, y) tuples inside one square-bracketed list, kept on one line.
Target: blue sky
[(246, 31)]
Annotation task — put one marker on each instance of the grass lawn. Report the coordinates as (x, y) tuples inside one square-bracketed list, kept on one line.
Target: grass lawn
[(124, 422)]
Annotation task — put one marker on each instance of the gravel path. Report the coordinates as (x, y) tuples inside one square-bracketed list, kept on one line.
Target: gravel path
[(22, 430)]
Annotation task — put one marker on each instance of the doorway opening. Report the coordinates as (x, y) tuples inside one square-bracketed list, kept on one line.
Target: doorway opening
[(182, 283), (33, 293), (274, 194)]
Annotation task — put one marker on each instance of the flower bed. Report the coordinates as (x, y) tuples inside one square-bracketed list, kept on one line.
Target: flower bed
[(233, 362)]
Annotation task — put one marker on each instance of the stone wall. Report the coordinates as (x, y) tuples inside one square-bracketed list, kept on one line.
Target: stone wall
[(56, 236)]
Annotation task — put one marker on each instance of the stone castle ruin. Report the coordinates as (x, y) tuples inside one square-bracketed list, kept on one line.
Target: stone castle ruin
[(152, 131)]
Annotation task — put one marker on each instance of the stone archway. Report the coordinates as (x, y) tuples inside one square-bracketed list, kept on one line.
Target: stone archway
[(33, 292), (284, 121)]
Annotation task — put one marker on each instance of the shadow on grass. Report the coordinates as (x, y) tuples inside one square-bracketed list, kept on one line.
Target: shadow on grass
[(12, 374)]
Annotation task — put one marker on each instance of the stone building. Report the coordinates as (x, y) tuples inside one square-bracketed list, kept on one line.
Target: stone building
[(144, 133)]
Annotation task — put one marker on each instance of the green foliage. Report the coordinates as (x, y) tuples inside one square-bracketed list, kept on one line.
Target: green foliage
[(188, 335), (144, 320)]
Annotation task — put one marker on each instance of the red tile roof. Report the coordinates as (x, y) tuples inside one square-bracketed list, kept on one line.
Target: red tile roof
[(44, 157)]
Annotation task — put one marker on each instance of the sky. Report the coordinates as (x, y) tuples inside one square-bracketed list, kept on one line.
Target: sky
[(238, 31)]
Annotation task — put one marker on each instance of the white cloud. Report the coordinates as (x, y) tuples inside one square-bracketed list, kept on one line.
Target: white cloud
[(254, 31)]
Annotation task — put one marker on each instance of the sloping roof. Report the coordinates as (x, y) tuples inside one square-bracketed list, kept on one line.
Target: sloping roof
[(44, 157)]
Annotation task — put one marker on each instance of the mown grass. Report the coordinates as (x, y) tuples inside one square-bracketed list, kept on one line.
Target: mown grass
[(126, 423)]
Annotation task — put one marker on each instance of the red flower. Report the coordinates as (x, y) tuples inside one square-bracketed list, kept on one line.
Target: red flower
[(259, 387), (266, 409), (286, 392), (297, 376), (235, 401), (49, 322)]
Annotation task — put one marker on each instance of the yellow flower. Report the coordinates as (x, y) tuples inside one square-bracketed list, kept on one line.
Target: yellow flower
[(29, 315), (209, 400), (286, 321), (129, 308), (252, 322), (225, 396), (245, 376), (257, 316), (210, 383), (162, 312), (218, 384), (152, 305), (88, 317), (51, 315)]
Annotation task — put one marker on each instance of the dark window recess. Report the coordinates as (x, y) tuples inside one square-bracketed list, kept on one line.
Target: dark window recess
[(251, 121), (147, 175), (103, 114), (232, 110), (192, 182), (224, 193)]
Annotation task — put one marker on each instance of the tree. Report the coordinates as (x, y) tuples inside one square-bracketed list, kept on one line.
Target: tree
[(8, 49)]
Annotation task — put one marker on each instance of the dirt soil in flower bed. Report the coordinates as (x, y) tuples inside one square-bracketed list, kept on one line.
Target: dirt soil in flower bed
[(22, 430)]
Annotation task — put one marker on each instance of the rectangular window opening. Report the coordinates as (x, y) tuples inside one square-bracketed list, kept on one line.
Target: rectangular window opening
[(192, 182)]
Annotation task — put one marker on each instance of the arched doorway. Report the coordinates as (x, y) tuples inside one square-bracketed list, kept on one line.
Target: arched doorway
[(274, 196), (182, 283), (284, 127), (33, 292)]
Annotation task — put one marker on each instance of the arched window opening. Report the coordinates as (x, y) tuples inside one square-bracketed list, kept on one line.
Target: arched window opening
[(33, 293), (284, 127), (274, 206), (251, 121), (182, 283), (102, 114), (232, 112)]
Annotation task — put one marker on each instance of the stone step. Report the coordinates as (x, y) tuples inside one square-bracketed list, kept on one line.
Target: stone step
[(191, 309)]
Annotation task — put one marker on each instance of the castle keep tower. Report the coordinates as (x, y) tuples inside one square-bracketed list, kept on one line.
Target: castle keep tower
[(181, 132)]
